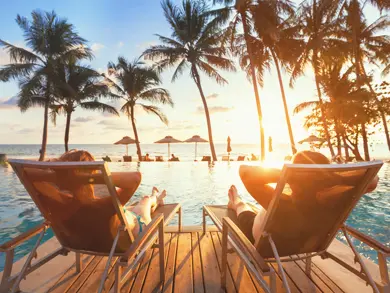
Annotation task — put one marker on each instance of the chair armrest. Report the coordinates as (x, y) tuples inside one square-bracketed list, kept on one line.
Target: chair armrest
[(23, 237), (244, 243), (143, 237), (367, 240)]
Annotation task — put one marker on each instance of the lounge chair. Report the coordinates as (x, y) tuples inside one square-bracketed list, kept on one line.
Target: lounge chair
[(310, 235), (225, 158), (80, 225), (159, 159), (206, 159), (241, 158), (127, 159)]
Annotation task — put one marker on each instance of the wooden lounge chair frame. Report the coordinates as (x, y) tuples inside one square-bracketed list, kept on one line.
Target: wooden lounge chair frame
[(138, 246), (224, 220)]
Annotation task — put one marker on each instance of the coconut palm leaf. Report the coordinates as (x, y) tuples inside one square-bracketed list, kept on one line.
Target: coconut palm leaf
[(157, 95), (15, 70), (155, 110), (99, 106), (305, 105)]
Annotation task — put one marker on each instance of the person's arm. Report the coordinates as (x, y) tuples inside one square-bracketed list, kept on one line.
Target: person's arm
[(127, 183), (259, 175)]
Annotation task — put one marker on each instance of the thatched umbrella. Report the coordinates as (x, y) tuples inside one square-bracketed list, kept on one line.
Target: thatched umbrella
[(311, 139), (168, 140), (196, 139), (126, 140)]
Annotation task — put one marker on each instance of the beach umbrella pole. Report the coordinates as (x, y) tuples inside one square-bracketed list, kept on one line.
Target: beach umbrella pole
[(196, 149), (169, 151), (127, 150)]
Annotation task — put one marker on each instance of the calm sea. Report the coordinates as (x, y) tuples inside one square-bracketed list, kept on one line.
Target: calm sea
[(192, 184)]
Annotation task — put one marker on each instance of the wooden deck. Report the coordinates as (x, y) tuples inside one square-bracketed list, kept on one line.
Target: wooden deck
[(192, 264)]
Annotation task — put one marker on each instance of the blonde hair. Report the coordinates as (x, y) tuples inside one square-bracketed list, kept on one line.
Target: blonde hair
[(76, 156)]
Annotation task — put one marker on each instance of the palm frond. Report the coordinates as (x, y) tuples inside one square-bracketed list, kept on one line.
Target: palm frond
[(157, 95), (16, 70), (155, 110), (304, 106), (20, 55), (99, 106)]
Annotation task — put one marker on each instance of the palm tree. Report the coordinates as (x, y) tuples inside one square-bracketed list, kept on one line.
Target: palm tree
[(238, 14), (279, 41), (195, 43), (135, 82), (79, 86), (368, 46), (49, 38), (320, 27)]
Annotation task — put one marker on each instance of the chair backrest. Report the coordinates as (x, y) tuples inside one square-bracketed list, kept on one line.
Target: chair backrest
[(322, 198), (206, 159), (64, 194)]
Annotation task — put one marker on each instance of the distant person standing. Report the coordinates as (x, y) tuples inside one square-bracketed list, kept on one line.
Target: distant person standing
[(270, 149)]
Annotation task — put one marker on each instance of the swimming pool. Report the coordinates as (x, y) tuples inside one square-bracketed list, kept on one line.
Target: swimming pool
[(193, 185)]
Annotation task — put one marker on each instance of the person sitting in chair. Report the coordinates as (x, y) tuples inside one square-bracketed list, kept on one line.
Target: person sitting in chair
[(173, 158), (147, 158), (256, 180)]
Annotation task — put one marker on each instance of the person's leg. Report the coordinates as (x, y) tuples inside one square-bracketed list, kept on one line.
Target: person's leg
[(245, 214)]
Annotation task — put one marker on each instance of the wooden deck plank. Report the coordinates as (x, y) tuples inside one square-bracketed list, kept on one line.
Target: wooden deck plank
[(197, 271), (210, 267), (170, 268), (279, 284), (132, 277), (70, 276), (93, 282), (230, 284), (183, 270), (81, 278), (152, 280), (196, 260), (300, 278), (143, 269), (322, 283)]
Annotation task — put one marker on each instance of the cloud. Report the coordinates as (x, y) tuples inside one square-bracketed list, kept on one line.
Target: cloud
[(8, 103), (121, 44), (213, 110), (115, 125), (84, 119), (26, 130), (96, 47), (212, 96)]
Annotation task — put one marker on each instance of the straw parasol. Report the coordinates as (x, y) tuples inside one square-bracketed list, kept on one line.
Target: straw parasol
[(311, 139), (126, 140), (196, 139), (168, 139)]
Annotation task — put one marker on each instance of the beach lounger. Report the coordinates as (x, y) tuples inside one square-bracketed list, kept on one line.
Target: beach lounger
[(127, 159), (206, 159), (241, 158), (341, 187), (82, 225), (225, 158), (159, 159)]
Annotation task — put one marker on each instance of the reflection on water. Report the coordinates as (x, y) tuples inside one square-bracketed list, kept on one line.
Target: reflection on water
[(193, 185)]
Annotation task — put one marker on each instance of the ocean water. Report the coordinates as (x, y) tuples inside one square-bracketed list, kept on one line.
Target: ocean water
[(193, 184)]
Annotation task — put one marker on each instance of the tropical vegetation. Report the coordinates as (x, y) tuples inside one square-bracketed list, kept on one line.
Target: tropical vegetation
[(136, 83), (333, 40)]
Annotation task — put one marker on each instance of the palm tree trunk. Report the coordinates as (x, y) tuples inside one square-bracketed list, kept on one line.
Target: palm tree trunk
[(196, 77), (67, 129), (365, 142), (254, 83), (135, 134), (315, 64), (347, 157), (323, 114), (42, 151), (290, 132)]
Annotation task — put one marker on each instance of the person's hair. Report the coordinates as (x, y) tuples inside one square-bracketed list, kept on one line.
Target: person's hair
[(84, 191), (76, 156), (310, 157)]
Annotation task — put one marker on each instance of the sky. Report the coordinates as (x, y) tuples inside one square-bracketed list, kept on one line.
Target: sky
[(126, 28)]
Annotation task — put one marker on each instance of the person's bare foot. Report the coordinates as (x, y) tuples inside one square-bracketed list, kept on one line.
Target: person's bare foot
[(234, 198), (160, 198)]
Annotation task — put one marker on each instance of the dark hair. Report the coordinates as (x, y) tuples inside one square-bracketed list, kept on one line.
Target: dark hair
[(310, 157), (76, 156)]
